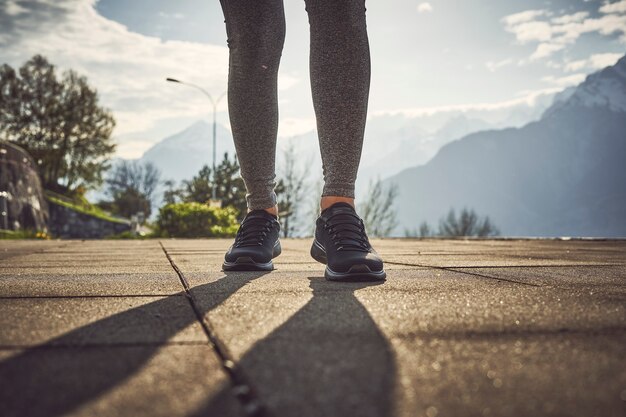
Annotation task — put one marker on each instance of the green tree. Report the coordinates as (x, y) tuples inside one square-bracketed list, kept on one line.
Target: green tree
[(199, 188), (58, 121), (172, 194), (131, 187), (230, 187)]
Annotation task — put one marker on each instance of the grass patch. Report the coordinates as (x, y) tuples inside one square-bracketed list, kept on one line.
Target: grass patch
[(82, 206), (23, 234)]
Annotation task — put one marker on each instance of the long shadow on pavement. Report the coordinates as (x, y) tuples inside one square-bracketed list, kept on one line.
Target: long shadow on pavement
[(68, 371), (328, 359)]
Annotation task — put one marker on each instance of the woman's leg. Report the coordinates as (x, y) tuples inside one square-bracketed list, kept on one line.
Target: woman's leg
[(256, 34), (340, 79)]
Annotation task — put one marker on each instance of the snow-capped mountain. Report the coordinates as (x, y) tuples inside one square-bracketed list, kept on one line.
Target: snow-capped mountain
[(181, 156), (563, 175), (392, 143), (603, 89)]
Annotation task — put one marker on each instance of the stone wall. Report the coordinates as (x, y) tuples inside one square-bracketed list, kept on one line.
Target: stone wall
[(70, 224), (22, 202)]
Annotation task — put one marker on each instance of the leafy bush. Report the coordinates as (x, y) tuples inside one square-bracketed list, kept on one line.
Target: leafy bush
[(196, 220)]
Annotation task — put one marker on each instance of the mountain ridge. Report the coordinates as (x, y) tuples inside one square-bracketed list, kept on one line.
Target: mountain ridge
[(562, 175)]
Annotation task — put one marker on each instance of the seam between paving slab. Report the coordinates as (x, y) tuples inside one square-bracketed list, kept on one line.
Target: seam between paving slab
[(474, 274), (537, 266), (241, 386), (44, 297), (513, 333)]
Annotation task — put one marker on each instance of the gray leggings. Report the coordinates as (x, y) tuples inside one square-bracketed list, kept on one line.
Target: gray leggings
[(340, 80)]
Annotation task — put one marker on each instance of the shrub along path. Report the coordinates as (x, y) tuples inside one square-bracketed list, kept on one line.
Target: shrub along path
[(151, 328)]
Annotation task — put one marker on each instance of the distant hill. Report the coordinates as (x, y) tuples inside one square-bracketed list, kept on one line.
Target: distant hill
[(563, 175), (181, 156), (392, 141), (388, 151)]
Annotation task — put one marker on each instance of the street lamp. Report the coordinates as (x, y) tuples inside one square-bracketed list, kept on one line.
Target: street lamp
[(214, 103)]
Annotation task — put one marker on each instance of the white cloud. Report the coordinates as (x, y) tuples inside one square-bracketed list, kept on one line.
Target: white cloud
[(557, 33), (521, 17), (575, 65), (617, 7), (534, 31), (565, 81), (424, 7), (527, 98), (128, 69), (494, 66), (595, 62), (605, 25), (545, 50), (570, 18), (598, 61)]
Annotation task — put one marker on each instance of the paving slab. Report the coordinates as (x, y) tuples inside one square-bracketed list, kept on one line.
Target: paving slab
[(357, 349), (486, 260), (208, 264), (15, 248), (476, 252), (89, 285), (433, 304), (207, 256), (426, 342), (91, 257), (113, 381), (98, 321), (610, 278), (461, 327), (523, 374), (403, 253)]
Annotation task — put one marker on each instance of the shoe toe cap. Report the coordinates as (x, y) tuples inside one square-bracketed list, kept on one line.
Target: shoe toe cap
[(346, 260), (257, 254)]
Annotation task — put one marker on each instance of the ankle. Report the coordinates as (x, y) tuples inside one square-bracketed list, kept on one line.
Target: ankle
[(329, 200), (270, 210)]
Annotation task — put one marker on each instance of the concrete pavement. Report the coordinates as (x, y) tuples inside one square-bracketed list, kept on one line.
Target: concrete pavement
[(460, 328)]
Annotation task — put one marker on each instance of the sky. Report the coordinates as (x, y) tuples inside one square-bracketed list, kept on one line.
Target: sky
[(426, 56)]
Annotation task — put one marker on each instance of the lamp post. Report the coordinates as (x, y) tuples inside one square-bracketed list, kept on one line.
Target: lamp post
[(4, 213), (215, 104)]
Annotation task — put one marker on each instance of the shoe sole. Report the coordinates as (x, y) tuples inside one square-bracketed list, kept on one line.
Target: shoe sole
[(246, 263), (357, 272)]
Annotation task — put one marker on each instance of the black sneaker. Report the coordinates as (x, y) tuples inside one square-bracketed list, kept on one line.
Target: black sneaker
[(342, 244), (256, 243)]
